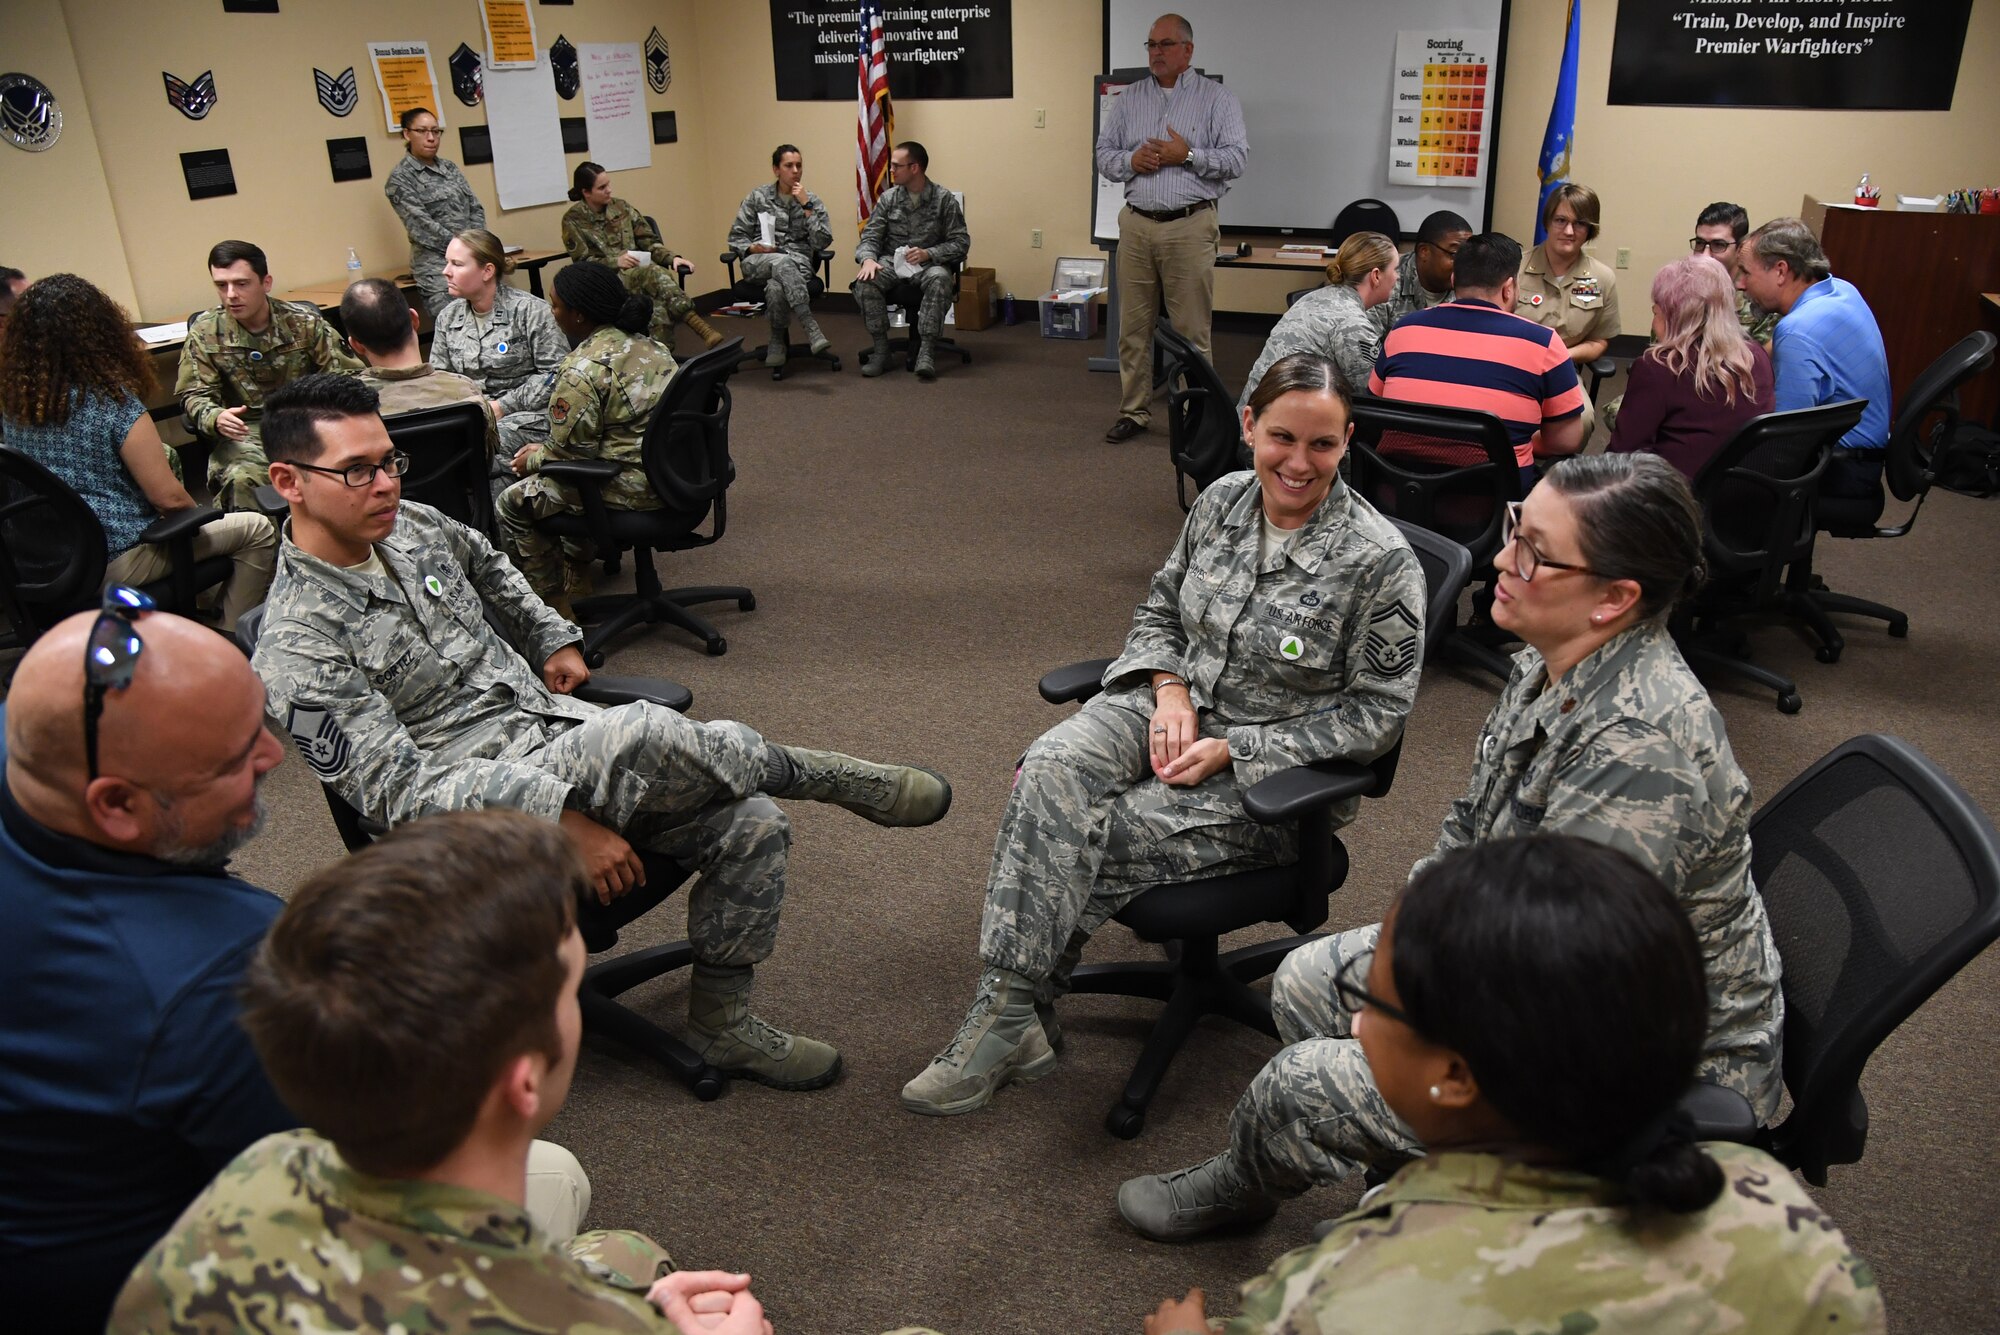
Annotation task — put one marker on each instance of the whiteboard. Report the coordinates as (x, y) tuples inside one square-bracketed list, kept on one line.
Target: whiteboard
[(1317, 80)]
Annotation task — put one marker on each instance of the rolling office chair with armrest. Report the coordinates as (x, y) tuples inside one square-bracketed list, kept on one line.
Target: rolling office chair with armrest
[(907, 295), (598, 923), (53, 553), (749, 289), (1450, 471), (448, 460), (1189, 917), (1757, 498), (1881, 877), (1204, 432), (685, 453), (1918, 451)]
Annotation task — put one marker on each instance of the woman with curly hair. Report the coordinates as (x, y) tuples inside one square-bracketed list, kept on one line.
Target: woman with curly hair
[(73, 377)]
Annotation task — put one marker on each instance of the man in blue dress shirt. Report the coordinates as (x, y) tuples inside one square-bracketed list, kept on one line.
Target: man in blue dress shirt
[(1827, 347), (1176, 140)]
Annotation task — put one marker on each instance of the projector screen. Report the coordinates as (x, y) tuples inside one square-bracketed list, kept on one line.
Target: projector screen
[(1322, 89)]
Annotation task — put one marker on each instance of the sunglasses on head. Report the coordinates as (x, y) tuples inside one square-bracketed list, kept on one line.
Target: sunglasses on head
[(110, 657)]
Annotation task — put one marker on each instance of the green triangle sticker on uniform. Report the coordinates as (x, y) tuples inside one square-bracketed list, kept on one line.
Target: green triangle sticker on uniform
[(1292, 648)]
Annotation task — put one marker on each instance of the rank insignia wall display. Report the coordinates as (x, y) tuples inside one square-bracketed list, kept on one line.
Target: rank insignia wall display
[(338, 95), (29, 116), (193, 99), (659, 69), (467, 79), (563, 64)]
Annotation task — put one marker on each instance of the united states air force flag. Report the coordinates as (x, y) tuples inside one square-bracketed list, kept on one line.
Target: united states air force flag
[(1556, 140)]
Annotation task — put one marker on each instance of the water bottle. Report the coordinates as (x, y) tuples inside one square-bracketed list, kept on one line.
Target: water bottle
[(1007, 309), (353, 267)]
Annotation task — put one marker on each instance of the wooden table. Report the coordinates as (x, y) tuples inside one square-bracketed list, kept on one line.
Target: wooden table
[(1260, 257)]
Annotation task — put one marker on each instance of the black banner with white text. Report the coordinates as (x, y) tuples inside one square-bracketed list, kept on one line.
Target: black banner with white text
[(955, 50)]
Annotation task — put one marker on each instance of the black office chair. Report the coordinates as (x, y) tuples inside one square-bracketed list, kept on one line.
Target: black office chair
[(1190, 917), (1293, 297), (1366, 215), (1453, 472), (749, 289), (1882, 880), (1204, 432), (1447, 567), (53, 553), (597, 923), (1756, 498), (449, 466), (686, 456), (908, 296), (1919, 450)]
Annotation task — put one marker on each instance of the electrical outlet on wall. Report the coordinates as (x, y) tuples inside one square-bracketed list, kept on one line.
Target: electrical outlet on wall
[(1036, 241), (1624, 257)]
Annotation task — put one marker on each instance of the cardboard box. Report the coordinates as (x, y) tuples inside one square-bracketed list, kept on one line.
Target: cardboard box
[(978, 300)]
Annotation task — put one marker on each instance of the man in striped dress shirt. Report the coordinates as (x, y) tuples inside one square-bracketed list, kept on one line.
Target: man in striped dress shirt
[(1474, 352), (1176, 140)]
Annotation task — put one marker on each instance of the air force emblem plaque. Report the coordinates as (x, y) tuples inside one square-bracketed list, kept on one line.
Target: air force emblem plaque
[(562, 63), (338, 95), (467, 80), (195, 99), (29, 116)]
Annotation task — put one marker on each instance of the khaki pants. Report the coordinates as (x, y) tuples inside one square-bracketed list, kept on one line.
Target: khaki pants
[(1171, 263), (247, 538), (558, 1194)]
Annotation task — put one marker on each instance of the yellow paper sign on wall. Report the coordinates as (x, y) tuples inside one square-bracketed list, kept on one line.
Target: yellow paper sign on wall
[(403, 76), (510, 34)]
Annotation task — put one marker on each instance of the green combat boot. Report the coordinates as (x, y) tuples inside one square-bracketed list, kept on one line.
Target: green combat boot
[(926, 362), (1000, 1042), (1173, 1207), (728, 1037), (884, 794), (815, 337), (876, 360), (778, 348)]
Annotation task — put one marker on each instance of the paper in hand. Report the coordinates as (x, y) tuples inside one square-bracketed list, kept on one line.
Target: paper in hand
[(767, 228), (900, 262), (642, 257)]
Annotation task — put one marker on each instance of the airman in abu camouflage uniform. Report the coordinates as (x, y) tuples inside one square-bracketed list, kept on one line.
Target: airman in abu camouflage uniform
[(435, 203), (605, 236), (288, 1228), (1626, 750), (225, 365), (1330, 321), (919, 213), (800, 229), (604, 395), (404, 700), (1292, 655), (512, 358), (1465, 1244)]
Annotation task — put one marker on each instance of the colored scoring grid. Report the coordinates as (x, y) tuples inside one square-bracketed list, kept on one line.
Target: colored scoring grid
[(1452, 120)]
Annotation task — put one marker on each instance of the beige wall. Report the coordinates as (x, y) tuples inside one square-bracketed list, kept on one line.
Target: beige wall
[(268, 118), (1654, 168), (55, 210), (143, 239)]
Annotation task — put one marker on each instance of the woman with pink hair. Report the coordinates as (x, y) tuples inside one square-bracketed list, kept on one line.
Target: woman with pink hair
[(1702, 379)]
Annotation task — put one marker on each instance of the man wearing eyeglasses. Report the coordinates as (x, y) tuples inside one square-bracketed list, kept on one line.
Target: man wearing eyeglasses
[(125, 1082), (1176, 140), (405, 701), (1719, 233)]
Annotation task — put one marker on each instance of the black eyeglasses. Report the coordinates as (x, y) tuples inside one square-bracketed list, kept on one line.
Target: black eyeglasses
[(363, 475), (1697, 245), (1347, 985), (1166, 45), (110, 658), (1528, 560)]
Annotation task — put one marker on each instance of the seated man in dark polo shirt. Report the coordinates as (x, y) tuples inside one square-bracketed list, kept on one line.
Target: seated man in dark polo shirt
[(125, 1081)]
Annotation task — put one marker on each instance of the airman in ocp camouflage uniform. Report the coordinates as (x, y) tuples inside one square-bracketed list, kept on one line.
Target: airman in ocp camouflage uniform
[(604, 395), (1626, 750), (1330, 321), (1293, 653), (1467, 1244), (800, 232), (605, 237), (930, 220), (289, 1231), (404, 700), (224, 365)]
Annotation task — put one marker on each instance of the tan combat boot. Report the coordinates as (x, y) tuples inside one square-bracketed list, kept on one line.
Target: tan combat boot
[(728, 1037), (702, 328), (999, 1042), (884, 794)]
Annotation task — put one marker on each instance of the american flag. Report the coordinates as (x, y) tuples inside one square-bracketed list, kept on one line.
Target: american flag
[(876, 128)]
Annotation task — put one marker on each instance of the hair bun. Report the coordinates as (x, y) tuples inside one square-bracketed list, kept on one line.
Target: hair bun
[(635, 314), (1678, 1176), (576, 194)]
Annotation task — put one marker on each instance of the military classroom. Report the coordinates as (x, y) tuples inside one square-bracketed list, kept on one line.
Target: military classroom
[(917, 1117)]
